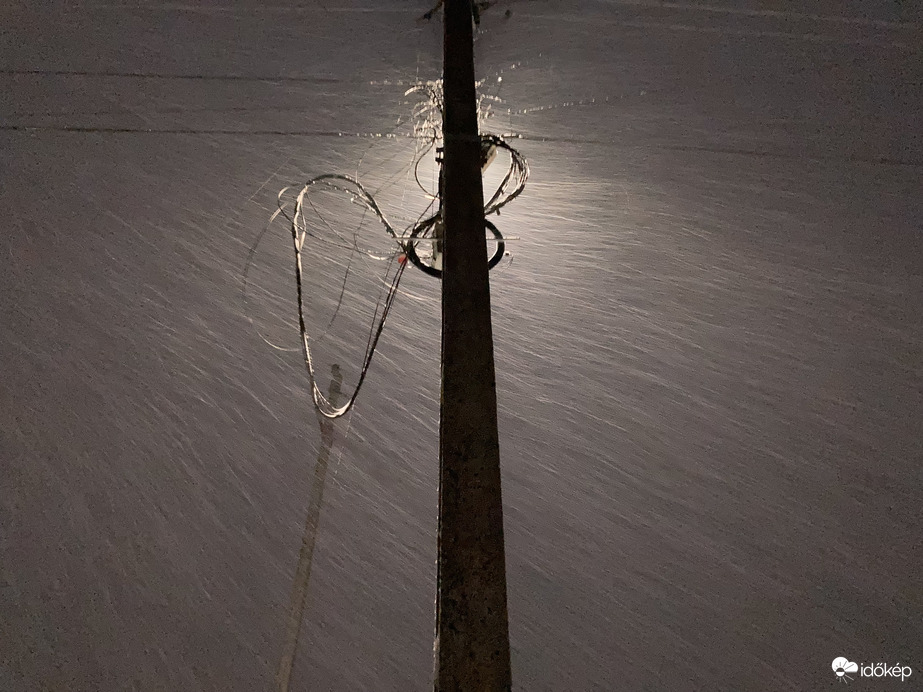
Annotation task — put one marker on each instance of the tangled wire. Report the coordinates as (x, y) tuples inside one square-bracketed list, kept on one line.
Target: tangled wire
[(425, 231)]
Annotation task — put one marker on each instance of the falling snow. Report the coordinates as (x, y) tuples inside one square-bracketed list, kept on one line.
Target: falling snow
[(708, 344)]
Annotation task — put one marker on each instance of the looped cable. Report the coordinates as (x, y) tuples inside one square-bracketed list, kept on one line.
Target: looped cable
[(427, 119)]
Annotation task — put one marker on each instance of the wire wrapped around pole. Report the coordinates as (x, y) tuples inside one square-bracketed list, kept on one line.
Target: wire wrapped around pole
[(426, 128)]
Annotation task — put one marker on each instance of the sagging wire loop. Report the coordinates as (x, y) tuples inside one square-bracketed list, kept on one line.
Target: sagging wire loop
[(427, 121)]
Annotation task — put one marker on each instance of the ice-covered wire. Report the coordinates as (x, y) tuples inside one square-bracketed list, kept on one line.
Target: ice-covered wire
[(513, 182), (300, 231), (427, 118)]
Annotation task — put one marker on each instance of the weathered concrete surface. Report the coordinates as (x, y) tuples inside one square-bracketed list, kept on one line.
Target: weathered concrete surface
[(472, 633)]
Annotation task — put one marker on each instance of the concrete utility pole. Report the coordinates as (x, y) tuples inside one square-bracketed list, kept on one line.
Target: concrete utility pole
[(472, 632)]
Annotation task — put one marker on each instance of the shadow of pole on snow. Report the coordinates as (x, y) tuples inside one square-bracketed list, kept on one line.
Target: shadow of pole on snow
[(303, 571)]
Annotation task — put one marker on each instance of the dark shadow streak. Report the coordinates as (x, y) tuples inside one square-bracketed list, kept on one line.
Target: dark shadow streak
[(192, 131), (303, 571), (160, 75), (794, 156)]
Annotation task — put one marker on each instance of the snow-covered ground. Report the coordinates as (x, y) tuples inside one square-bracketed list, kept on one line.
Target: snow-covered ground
[(709, 345)]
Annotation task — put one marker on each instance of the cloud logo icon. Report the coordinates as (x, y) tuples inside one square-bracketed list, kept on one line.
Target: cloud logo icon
[(842, 666)]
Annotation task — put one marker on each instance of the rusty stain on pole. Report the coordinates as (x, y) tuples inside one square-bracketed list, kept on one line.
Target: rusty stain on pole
[(472, 633)]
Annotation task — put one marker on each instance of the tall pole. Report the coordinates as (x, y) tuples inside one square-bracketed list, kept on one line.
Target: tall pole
[(472, 632)]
